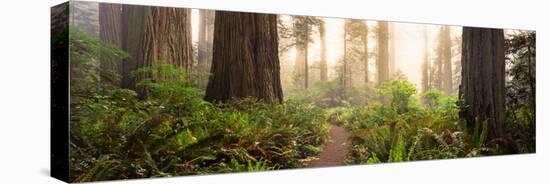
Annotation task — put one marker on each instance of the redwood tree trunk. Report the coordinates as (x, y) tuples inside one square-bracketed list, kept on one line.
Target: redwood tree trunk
[(245, 59), (301, 29), (209, 35), (365, 38), (306, 62), (201, 49), (391, 60), (344, 59), (324, 67), (425, 63), (382, 61), (110, 25), (155, 35), (447, 64), (483, 75)]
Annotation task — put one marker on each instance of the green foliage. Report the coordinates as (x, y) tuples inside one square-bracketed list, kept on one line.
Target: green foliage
[(399, 129), (87, 54), (250, 166), (521, 91), (172, 131), (328, 94), (432, 98), (399, 93)]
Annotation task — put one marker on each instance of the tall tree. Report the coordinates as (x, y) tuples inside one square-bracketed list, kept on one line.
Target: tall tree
[(521, 75), (245, 60), (344, 78), (391, 60), (483, 80), (425, 63), (365, 39), (201, 48), (302, 37), (382, 60), (210, 34), (204, 45), (322, 37), (356, 52), (110, 24), (456, 55), (446, 56), (84, 15), (306, 54), (437, 70), (155, 35)]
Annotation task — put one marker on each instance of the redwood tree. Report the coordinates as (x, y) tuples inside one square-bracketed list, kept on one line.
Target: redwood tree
[(483, 75), (110, 24), (245, 59), (383, 54), (323, 39), (201, 48), (426, 63), (365, 39), (155, 35), (447, 78)]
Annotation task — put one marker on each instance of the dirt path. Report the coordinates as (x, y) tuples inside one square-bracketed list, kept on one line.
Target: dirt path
[(335, 150)]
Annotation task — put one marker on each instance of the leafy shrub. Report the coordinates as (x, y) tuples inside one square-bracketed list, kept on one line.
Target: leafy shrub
[(87, 55), (399, 93), (329, 94), (172, 131), (395, 131)]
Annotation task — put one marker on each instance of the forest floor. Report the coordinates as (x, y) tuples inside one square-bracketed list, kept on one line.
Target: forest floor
[(334, 152)]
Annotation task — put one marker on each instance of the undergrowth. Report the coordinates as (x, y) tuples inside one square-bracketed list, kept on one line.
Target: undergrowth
[(171, 131)]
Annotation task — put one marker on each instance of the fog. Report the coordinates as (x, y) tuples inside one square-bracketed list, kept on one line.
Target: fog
[(409, 45)]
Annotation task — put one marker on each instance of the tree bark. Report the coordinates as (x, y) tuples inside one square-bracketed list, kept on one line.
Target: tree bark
[(382, 61), (426, 63), (201, 49), (155, 35), (323, 39), (483, 77), (531, 77), (209, 35), (306, 62), (365, 38), (110, 25), (245, 60), (447, 64), (345, 61), (391, 60), (301, 32), (204, 46)]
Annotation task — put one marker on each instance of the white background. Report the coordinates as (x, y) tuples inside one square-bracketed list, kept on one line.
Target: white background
[(24, 90)]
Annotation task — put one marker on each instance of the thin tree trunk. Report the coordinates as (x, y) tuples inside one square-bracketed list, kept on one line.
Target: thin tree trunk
[(447, 64), (201, 49), (426, 63), (483, 77), (382, 61), (245, 58), (209, 35), (324, 67), (392, 52), (306, 63), (345, 64), (439, 65), (530, 77), (365, 38)]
